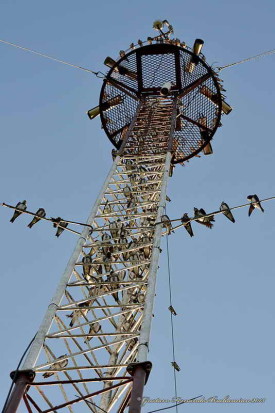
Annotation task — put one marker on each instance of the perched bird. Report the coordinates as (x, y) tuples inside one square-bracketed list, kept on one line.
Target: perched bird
[(132, 344), (107, 210), (106, 242), (143, 266), (76, 314), (137, 298), (122, 53), (175, 365), (127, 193), (60, 225), (113, 278), (114, 228), (226, 211), (166, 223), (255, 203), (94, 329), (147, 249), (57, 365), (172, 310), (134, 259), (95, 247), (87, 261), (140, 43), (127, 325), (107, 260), (98, 260), (186, 220), (40, 213), (124, 245), (21, 206), (199, 214)]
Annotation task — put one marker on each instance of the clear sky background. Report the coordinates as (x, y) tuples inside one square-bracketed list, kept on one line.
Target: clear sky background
[(53, 156)]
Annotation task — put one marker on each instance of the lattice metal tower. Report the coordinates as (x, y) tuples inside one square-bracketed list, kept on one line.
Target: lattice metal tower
[(160, 105)]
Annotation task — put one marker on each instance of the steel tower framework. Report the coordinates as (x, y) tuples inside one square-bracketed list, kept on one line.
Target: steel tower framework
[(91, 350)]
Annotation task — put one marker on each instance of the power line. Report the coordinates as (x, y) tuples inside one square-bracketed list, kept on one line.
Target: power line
[(258, 56), (210, 214), (26, 49), (53, 220), (171, 317)]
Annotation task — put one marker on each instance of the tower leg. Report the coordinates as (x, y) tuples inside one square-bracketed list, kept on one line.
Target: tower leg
[(22, 381), (137, 391)]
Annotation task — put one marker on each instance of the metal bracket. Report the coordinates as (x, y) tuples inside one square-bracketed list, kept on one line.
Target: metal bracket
[(146, 365), (16, 374)]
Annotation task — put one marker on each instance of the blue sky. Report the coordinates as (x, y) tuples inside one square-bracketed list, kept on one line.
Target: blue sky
[(54, 157)]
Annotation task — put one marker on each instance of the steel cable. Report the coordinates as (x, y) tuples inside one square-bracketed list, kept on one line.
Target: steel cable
[(26, 49), (171, 316), (258, 56)]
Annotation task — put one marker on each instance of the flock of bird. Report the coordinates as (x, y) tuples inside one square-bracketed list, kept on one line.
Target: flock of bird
[(200, 216), (40, 213), (207, 220)]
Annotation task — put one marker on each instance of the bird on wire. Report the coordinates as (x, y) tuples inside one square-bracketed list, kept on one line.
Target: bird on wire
[(166, 223), (186, 220), (255, 203), (21, 206), (40, 213), (226, 212), (60, 225), (199, 214)]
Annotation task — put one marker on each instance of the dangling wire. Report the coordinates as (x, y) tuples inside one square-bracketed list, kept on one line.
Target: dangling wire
[(171, 318), (258, 56), (97, 74)]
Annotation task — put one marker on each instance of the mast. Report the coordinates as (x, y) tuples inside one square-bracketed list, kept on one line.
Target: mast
[(160, 104)]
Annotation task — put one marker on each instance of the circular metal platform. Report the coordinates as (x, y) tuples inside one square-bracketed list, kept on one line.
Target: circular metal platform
[(141, 73)]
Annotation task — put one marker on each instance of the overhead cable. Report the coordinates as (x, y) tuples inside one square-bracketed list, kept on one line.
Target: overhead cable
[(211, 214), (258, 56), (171, 316), (97, 74)]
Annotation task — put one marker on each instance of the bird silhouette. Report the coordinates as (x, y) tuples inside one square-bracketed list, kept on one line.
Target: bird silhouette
[(226, 212), (255, 203), (199, 214), (21, 206), (40, 213), (57, 365)]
